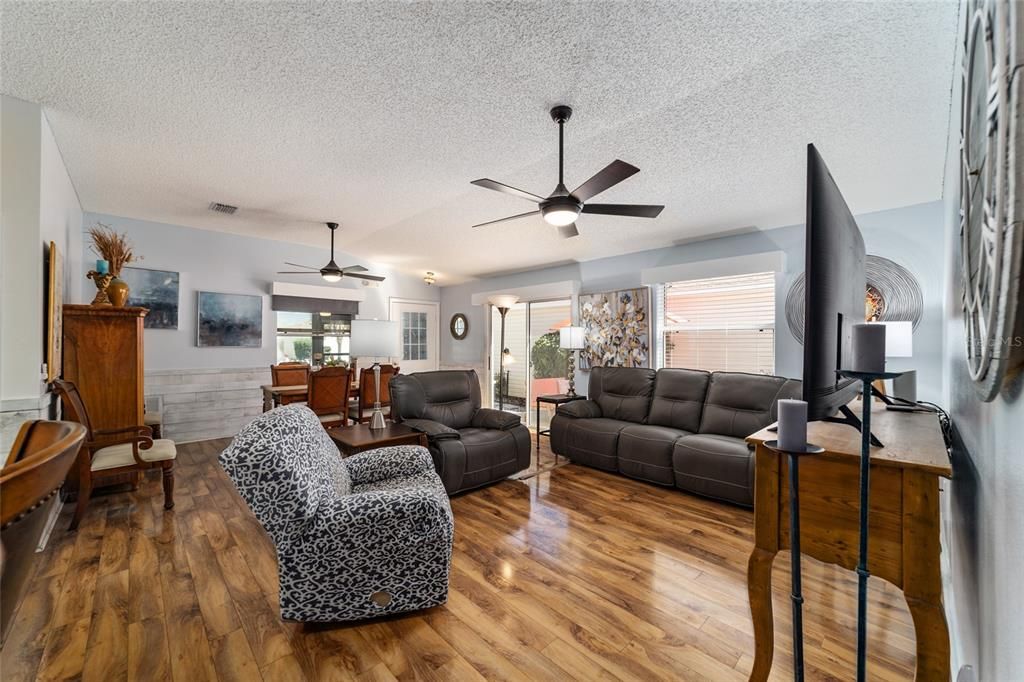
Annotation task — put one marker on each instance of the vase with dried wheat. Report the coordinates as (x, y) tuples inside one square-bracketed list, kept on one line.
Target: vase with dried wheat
[(115, 249)]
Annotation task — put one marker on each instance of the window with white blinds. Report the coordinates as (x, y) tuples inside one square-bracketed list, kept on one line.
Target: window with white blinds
[(719, 323)]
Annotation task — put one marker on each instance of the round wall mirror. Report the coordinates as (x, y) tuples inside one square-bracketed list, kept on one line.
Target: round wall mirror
[(459, 326)]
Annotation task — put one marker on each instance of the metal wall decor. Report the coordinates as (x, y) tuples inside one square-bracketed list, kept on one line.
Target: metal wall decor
[(991, 197), (892, 294)]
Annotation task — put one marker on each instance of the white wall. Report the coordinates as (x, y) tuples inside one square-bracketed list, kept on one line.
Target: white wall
[(984, 508), (231, 263), (38, 204), (910, 236)]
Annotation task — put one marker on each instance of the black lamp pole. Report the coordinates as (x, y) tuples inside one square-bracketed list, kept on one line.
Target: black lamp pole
[(501, 359)]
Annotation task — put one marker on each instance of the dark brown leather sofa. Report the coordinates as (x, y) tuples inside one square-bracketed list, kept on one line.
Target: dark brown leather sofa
[(471, 446), (674, 427)]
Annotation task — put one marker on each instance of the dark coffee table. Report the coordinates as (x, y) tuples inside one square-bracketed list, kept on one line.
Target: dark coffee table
[(359, 437)]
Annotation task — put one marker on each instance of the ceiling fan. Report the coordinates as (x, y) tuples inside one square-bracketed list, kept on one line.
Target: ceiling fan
[(331, 272), (562, 207)]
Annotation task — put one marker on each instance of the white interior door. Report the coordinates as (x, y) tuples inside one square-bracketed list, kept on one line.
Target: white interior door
[(419, 334)]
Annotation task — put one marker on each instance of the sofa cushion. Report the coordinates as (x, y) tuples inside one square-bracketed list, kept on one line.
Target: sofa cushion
[(594, 442), (679, 398), (622, 392), (716, 466), (740, 404), (645, 452)]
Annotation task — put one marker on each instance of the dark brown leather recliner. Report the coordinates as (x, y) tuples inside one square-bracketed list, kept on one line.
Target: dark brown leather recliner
[(675, 427), (471, 446)]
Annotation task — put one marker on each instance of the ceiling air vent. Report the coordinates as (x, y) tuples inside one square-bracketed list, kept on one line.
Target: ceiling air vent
[(223, 208)]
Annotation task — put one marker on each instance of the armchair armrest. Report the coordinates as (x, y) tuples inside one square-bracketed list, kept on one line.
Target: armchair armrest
[(580, 409), (140, 431), (382, 517), (391, 462), (486, 418), (434, 430)]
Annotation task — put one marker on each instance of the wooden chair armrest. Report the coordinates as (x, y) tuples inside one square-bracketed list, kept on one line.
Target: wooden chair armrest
[(142, 430)]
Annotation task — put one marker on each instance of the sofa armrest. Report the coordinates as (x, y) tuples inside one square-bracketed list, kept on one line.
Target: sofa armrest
[(580, 409), (486, 418), (434, 430), (397, 461)]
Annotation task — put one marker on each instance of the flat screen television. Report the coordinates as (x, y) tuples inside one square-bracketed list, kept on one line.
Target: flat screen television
[(834, 301)]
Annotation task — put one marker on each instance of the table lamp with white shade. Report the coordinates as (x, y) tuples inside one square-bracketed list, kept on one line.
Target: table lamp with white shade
[(503, 302), (899, 343), (375, 339), (571, 339)]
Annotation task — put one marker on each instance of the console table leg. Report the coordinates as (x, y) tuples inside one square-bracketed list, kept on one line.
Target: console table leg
[(759, 586)]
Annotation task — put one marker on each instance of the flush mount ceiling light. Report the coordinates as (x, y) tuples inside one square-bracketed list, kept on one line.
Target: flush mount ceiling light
[(331, 272), (429, 279), (563, 207)]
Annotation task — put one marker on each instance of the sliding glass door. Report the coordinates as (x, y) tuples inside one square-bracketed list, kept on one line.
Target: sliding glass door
[(528, 362)]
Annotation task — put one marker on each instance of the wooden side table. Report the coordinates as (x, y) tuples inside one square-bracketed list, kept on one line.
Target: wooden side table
[(360, 437), (556, 400)]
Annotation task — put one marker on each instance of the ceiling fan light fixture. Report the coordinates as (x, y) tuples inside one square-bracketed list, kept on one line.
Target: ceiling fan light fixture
[(331, 276), (560, 210), (560, 215)]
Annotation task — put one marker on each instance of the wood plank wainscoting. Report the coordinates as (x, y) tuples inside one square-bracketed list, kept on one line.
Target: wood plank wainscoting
[(572, 574), (199, 404)]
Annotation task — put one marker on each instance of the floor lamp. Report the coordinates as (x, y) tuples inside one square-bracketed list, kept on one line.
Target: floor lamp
[(375, 339), (503, 302)]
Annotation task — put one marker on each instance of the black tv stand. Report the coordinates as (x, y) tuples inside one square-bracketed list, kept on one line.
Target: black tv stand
[(850, 419)]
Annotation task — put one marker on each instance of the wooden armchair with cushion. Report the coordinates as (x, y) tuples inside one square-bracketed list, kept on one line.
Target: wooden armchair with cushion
[(328, 395), (290, 374), (131, 448), (39, 461), (362, 410)]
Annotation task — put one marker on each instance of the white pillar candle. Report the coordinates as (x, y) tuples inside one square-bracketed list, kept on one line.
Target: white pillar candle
[(869, 348), (792, 425)]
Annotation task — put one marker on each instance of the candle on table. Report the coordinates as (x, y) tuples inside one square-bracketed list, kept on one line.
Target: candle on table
[(102, 267), (792, 425), (869, 348)]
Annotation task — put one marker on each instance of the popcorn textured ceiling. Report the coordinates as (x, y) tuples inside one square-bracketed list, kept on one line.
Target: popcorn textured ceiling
[(378, 115)]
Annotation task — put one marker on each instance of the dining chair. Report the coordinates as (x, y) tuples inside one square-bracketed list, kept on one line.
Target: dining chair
[(328, 395), (362, 408), (114, 451), (290, 374)]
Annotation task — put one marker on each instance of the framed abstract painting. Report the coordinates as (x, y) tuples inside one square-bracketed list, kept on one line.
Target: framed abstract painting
[(156, 290), (229, 320), (617, 328)]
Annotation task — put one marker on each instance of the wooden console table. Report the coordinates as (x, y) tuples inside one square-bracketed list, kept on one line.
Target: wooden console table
[(903, 521)]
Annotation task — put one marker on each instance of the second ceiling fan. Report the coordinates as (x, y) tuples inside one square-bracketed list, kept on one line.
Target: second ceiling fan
[(562, 207), (331, 272)]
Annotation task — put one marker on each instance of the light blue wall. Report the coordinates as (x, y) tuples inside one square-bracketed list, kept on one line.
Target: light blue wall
[(230, 263), (912, 236), (983, 510)]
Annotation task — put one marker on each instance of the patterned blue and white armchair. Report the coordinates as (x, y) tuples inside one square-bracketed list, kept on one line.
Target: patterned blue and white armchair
[(356, 538)]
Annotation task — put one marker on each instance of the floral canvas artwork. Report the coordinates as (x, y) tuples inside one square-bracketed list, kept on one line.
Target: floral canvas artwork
[(617, 327)]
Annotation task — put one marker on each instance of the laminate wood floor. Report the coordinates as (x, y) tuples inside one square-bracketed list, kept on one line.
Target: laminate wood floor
[(572, 574)]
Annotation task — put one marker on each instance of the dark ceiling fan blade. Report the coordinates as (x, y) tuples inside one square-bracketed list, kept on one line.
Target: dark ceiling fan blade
[(298, 272), (375, 278), (511, 217), (609, 176), (300, 265), (568, 231), (632, 210), (354, 268), (506, 189)]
